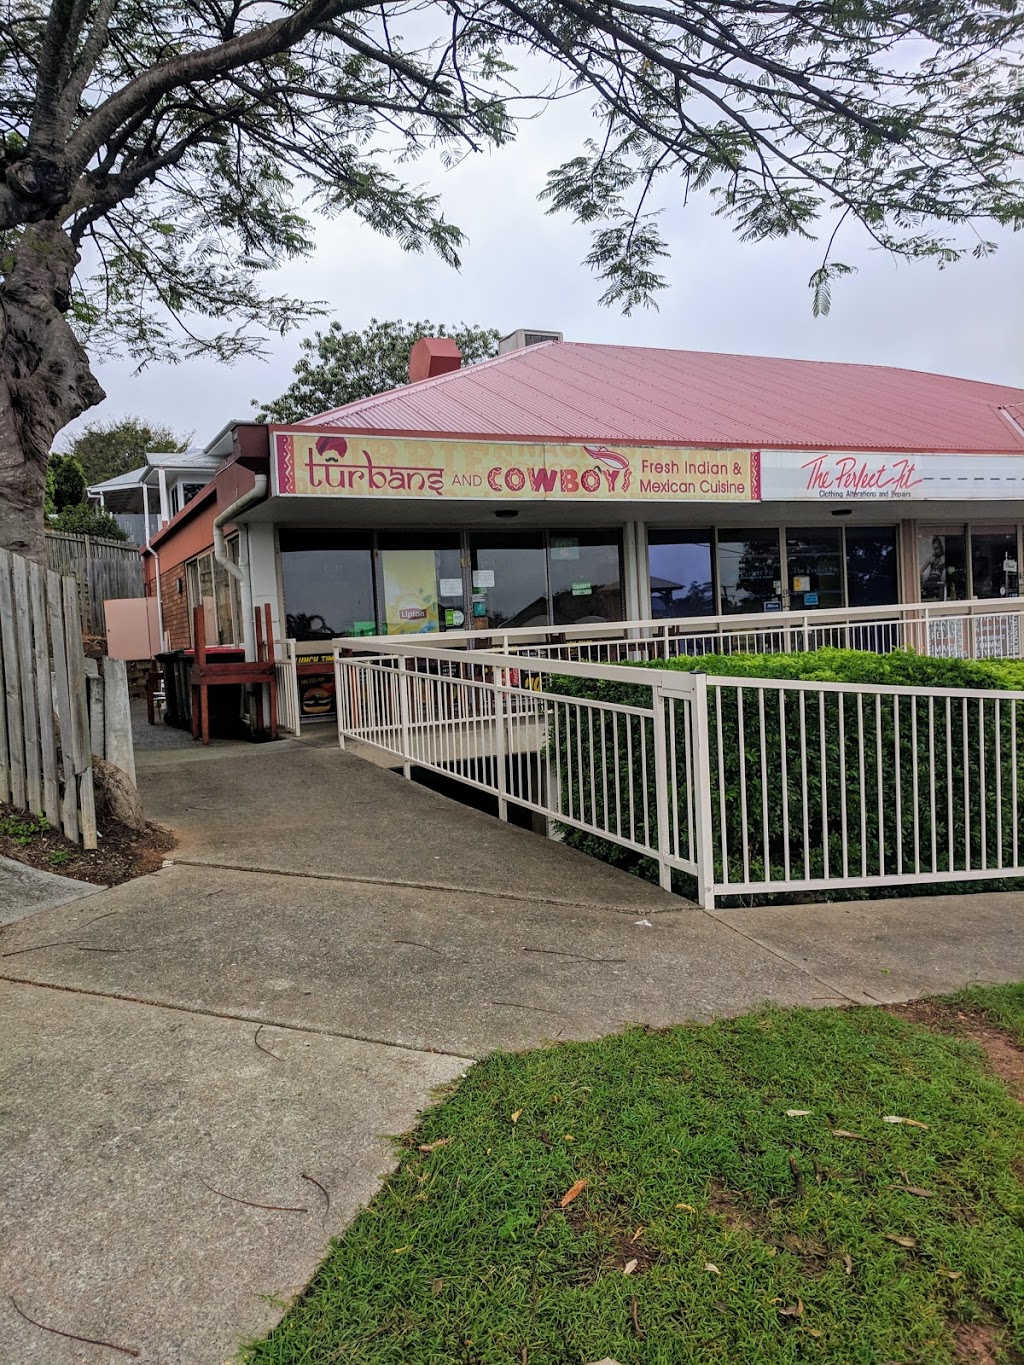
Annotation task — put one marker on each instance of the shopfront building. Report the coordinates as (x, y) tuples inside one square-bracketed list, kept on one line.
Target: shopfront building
[(664, 485)]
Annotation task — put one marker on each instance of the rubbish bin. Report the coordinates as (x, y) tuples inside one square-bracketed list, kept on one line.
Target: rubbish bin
[(225, 702)]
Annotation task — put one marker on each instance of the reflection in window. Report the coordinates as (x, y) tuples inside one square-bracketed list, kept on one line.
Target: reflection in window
[(871, 566), (749, 570), (586, 579), (942, 563), (328, 584), (680, 572), (510, 579)]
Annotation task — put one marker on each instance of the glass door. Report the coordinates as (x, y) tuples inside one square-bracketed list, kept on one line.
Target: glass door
[(994, 568), (814, 567), (586, 578), (509, 579), (749, 571), (421, 583)]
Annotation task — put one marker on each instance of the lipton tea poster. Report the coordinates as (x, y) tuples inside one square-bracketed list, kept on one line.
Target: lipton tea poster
[(410, 591), (362, 465)]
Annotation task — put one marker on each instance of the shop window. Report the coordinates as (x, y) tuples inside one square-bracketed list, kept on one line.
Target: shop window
[(509, 579), (814, 568), (328, 584), (586, 578), (942, 564), (749, 571), (421, 583), (679, 564), (994, 567), (872, 577)]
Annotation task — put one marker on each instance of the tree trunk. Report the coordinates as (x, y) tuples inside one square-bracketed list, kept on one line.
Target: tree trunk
[(45, 379)]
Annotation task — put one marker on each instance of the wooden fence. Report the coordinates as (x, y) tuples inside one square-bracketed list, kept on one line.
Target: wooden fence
[(103, 568), (45, 745)]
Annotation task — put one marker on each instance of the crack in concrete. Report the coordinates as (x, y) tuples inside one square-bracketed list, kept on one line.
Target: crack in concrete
[(527, 897), (721, 917), (236, 1018)]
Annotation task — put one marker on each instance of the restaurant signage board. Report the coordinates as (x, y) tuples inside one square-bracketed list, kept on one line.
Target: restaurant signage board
[(359, 465)]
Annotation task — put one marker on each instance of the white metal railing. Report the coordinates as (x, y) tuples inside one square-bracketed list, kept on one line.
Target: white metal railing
[(731, 787), (288, 715), (976, 629)]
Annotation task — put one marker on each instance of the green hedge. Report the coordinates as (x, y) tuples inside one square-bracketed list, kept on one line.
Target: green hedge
[(983, 743)]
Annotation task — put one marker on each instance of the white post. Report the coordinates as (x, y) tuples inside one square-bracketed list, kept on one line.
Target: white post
[(701, 778), (403, 711), (664, 781), (165, 506), (499, 741), (145, 514)]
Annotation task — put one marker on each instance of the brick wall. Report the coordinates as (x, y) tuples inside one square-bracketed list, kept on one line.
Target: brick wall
[(175, 608)]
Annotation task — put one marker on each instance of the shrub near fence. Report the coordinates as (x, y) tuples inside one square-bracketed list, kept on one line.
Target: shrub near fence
[(808, 783)]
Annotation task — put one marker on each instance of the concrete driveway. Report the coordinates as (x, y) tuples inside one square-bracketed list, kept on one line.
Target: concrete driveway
[(201, 1067)]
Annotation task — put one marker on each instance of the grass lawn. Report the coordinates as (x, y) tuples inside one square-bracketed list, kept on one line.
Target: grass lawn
[(749, 1233)]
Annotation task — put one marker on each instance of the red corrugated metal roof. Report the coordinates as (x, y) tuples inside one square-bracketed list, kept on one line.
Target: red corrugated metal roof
[(573, 391)]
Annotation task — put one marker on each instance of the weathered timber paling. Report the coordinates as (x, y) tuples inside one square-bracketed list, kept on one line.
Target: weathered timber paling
[(45, 752)]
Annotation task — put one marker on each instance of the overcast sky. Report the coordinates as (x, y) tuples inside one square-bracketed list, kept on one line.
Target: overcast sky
[(522, 268)]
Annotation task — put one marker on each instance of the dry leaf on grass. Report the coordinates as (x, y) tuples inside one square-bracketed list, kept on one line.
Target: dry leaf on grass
[(710, 1265), (914, 1189), (635, 1236), (847, 1265), (798, 1113), (517, 1116), (900, 1241), (898, 1118), (630, 1266), (433, 1146), (688, 1207), (952, 1274), (572, 1193), (795, 1310), (438, 1285), (845, 1133)]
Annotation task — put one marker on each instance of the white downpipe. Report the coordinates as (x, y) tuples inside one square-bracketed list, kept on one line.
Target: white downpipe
[(165, 506), (220, 553), (147, 549)]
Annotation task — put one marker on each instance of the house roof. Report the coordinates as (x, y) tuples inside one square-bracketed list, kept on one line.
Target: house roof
[(558, 391)]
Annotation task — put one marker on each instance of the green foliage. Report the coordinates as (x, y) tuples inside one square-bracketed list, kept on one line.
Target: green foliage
[(84, 520), (106, 449), (852, 756), (60, 856), (23, 829), (733, 1210), (337, 367), (65, 482)]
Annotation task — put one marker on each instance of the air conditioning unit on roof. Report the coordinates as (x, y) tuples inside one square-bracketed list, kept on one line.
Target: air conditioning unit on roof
[(526, 336)]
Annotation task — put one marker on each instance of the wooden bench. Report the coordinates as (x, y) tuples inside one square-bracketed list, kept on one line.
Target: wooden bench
[(258, 673)]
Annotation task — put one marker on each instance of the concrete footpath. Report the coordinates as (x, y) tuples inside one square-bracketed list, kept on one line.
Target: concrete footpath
[(200, 1067)]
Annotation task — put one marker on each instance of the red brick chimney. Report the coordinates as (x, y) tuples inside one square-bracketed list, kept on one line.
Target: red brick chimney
[(431, 356)]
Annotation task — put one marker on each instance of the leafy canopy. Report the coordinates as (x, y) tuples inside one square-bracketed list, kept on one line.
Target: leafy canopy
[(185, 144), (65, 483), (337, 367), (106, 449)]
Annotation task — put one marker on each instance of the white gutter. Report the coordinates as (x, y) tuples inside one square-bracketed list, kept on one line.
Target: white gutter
[(220, 553)]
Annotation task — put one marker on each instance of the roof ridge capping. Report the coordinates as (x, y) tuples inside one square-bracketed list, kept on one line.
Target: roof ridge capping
[(375, 399)]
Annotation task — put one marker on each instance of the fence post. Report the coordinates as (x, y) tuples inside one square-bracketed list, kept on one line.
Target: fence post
[(403, 712), (663, 777), (499, 741), (701, 777)]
